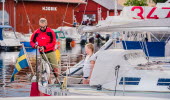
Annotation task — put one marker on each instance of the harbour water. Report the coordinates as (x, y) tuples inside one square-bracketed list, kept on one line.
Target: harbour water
[(21, 87), (7, 89)]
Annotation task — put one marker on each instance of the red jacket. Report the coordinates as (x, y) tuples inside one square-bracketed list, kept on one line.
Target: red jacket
[(46, 39)]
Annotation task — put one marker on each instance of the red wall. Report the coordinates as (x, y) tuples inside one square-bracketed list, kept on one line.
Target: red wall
[(34, 12), (90, 9)]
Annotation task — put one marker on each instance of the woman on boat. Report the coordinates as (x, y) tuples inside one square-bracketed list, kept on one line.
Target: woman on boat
[(88, 63)]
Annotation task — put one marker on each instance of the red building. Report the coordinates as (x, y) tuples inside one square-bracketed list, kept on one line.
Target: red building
[(96, 10), (25, 14)]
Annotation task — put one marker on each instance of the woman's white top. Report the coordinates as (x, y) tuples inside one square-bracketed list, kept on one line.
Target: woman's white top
[(87, 66)]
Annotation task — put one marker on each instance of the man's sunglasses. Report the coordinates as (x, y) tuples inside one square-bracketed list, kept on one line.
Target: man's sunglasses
[(43, 26)]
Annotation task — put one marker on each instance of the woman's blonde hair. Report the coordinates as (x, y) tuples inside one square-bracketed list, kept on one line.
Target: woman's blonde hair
[(90, 46)]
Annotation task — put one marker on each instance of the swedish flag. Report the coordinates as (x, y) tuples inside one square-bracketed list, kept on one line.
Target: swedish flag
[(20, 64)]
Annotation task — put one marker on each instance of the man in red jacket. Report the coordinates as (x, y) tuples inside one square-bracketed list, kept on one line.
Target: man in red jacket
[(44, 39)]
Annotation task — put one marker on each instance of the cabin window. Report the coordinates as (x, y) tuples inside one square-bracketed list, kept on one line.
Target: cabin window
[(91, 17), (129, 81), (163, 82)]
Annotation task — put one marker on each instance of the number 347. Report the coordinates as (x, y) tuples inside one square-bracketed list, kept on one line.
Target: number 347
[(150, 14)]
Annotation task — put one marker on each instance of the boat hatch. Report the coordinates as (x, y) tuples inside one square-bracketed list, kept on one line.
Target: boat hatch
[(129, 81), (163, 82)]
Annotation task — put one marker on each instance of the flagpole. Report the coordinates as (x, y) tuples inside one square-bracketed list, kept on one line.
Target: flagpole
[(37, 64), (3, 11), (28, 59)]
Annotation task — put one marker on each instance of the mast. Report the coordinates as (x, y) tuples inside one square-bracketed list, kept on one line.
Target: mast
[(115, 10), (3, 10), (15, 15), (74, 13)]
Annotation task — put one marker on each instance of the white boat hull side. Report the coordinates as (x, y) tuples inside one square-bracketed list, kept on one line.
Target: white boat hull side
[(138, 75), (148, 81)]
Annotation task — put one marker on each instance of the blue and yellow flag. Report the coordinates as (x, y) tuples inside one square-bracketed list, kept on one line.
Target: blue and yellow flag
[(20, 64)]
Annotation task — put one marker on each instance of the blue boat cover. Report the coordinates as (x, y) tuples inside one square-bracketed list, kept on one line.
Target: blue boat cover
[(1, 37), (155, 49), (5, 26), (26, 44), (29, 48)]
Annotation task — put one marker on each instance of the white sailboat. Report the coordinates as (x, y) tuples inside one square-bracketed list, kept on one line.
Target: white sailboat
[(9, 40), (125, 70)]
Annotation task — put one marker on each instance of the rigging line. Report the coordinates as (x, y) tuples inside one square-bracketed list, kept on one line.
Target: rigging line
[(65, 14), (155, 37), (125, 41), (142, 46), (52, 69), (146, 49), (116, 75), (163, 36), (84, 12), (30, 25), (67, 23), (167, 39), (50, 65)]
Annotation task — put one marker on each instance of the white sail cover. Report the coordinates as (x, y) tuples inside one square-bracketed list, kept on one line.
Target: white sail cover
[(135, 18), (144, 25), (104, 69)]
